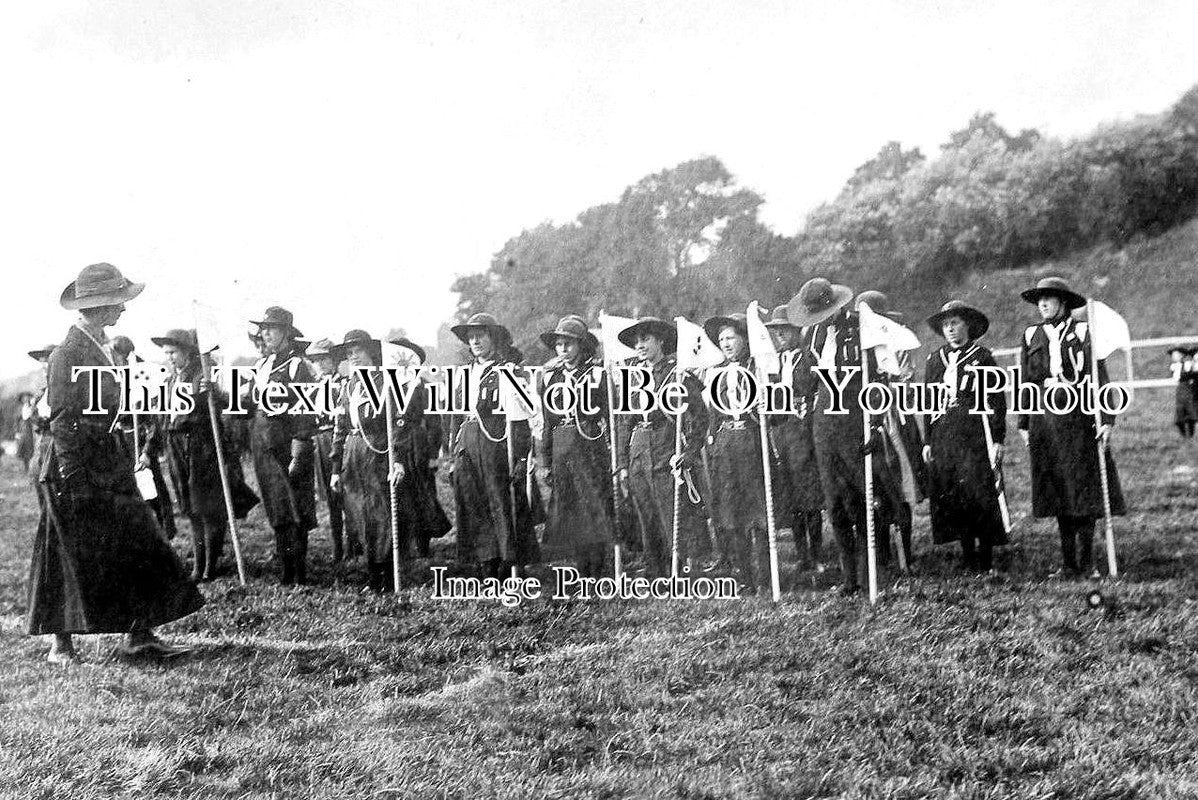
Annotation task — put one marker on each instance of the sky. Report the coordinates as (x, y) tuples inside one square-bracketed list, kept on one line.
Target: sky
[(348, 158)]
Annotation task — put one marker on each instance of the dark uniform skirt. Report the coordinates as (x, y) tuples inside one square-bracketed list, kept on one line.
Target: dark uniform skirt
[(1066, 481), (963, 494), (287, 501), (100, 563), (736, 477), (580, 505), (482, 501)]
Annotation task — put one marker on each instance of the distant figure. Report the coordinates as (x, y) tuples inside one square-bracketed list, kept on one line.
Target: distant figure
[(325, 366), (1185, 372), (33, 420)]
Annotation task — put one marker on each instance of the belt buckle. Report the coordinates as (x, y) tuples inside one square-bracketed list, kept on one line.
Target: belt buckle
[(733, 425)]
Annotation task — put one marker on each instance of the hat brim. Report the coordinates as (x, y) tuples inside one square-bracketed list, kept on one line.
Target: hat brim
[(162, 341), (69, 301), (296, 333), (38, 355), (800, 317), (713, 326), (410, 345), (655, 327), (340, 352), (1070, 299), (500, 334), (977, 322), (587, 340)]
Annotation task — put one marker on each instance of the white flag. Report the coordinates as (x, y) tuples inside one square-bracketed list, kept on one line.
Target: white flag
[(145, 381), (396, 355), (886, 338), (610, 329), (761, 344), (695, 350), (510, 401), (1108, 330)]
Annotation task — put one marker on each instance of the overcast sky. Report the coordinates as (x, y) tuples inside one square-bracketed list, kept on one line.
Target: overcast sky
[(348, 158)]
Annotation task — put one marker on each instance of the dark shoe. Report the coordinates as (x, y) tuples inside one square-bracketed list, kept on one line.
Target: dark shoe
[(147, 644), (848, 591)]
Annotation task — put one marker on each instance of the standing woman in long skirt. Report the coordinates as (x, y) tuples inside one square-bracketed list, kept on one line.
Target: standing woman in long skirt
[(574, 451), (492, 534), (100, 562), (1066, 477), (964, 494), (734, 448)]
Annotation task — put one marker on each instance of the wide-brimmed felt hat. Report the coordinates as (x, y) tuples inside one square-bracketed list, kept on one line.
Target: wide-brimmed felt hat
[(280, 318), (818, 299), (1053, 287), (179, 337), (99, 285), (23, 394), (654, 327), (1183, 349), (410, 345), (357, 336), (977, 322), (878, 303), (779, 318), (321, 347), (38, 355), (500, 336), (738, 322), (571, 326)]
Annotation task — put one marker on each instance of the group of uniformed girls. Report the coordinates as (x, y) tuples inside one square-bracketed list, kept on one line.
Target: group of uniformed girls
[(696, 484)]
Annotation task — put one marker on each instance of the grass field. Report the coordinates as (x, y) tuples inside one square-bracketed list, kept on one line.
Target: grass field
[(951, 687)]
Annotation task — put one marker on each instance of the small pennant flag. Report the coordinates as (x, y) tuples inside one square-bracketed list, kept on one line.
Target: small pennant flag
[(145, 380), (695, 350), (886, 338), (1108, 329), (761, 344), (610, 328), (396, 355), (512, 403)]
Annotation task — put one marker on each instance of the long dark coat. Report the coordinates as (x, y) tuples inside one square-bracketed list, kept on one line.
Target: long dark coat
[(1065, 472), (644, 446), (962, 480), (288, 500), (796, 482), (482, 486), (575, 451), (734, 455), (359, 455), (100, 563)]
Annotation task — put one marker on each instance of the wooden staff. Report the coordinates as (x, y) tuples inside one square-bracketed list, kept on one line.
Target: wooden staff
[(1112, 566), (770, 525), (997, 470), (618, 556), (871, 541), (674, 556), (393, 487), (218, 440)]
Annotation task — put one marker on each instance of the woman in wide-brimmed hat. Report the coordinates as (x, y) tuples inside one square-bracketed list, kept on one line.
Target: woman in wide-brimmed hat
[(1185, 371), (964, 500), (1066, 478), (487, 451), (574, 452), (192, 458), (281, 443), (645, 450), (100, 563), (835, 344), (798, 495), (734, 453), (360, 462)]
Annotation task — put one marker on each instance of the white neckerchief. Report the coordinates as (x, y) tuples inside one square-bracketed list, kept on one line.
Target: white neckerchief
[(827, 356), (1055, 334), (951, 359)]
